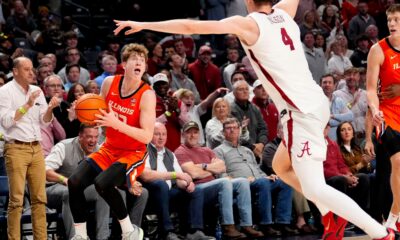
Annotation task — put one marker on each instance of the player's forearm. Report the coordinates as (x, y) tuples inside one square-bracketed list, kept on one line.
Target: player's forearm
[(368, 126), (373, 101), (180, 26)]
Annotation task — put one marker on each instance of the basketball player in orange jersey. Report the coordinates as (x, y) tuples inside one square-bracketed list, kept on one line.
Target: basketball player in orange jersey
[(384, 64), (120, 160), (270, 37)]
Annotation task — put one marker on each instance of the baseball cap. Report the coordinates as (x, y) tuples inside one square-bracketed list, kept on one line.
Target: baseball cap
[(257, 83), (205, 49), (160, 77), (189, 125)]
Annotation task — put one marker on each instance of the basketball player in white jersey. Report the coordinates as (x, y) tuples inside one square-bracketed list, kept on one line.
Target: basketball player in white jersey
[(271, 40)]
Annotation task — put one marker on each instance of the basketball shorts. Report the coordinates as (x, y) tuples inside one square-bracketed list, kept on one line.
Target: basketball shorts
[(107, 155), (390, 140), (304, 133)]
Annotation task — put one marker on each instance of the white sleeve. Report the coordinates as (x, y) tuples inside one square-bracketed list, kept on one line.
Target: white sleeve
[(56, 157)]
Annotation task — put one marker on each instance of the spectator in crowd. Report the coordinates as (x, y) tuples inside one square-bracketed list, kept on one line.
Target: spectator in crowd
[(338, 108), (348, 11), (311, 23), (329, 19), (194, 112), (179, 78), (249, 115), (73, 75), (372, 33), (206, 75), (342, 39), (167, 110), (73, 57), (114, 47), (303, 7), (202, 165), (232, 56), (240, 162), (53, 132), (60, 164), (339, 175), (320, 42), (239, 74), (338, 62), (169, 187), (50, 61), (109, 66), (221, 110), (22, 109), (3, 79), (359, 23), (328, 3), (354, 157), (155, 61), (42, 72), (182, 50), (92, 87), (360, 54), (315, 57), (267, 108), (355, 99), (20, 23)]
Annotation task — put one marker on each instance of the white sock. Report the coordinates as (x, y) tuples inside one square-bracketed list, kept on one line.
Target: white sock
[(328, 197), (80, 229), (126, 225), (391, 221)]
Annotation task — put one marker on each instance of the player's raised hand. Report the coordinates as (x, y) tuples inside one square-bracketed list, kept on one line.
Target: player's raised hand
[(131, 25)]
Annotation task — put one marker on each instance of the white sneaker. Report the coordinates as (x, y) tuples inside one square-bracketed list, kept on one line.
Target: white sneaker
[(136, 234), (79, 237)]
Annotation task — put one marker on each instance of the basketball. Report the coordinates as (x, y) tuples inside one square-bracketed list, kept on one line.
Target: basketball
[(87, 106)]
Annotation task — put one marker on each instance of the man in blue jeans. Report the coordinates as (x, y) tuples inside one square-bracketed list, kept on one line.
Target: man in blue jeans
[(241, 163), (202, 165)]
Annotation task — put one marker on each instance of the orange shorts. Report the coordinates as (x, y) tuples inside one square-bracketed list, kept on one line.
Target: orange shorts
[(134, 160)]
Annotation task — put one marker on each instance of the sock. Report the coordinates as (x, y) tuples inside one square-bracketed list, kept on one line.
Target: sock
[(80, 229), (126, 225), (391, 221)]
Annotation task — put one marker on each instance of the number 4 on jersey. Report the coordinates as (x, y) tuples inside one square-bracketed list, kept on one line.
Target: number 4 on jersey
[(286, 39)]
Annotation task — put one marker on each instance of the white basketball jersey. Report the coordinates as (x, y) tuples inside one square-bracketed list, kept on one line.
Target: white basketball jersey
[(279, 61)]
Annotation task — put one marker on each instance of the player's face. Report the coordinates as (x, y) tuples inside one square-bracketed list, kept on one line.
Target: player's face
[(231, 132), (136, 65), (393, 21), (88, 139), (346, 132), (191, 137), (221, 110), (159, 136)]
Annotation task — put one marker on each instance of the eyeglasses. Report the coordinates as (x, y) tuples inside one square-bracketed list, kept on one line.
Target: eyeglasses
[(231, 128), (55, 86)]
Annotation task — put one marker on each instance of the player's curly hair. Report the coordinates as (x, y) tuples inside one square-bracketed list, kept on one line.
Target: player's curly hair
[(133, 48), (393, 8)]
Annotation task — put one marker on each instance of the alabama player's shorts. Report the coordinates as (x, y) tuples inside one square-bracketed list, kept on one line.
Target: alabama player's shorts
[(390, 139), (107, 155), (304, 132)]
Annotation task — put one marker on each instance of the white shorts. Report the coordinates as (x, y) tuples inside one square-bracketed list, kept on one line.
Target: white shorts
[(304, 133)]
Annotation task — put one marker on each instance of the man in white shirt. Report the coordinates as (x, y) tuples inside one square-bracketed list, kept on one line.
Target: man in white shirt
[(22, 109)]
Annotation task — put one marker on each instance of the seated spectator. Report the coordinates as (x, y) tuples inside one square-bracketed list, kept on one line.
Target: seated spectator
[(359, 22), (92, 87), (315, 57), (355, 159), (267, 108), (156, 60), (109, 66), (42, 72), (360, 54), (53, 132), (339, 111), (372, 33), (194, 112), (73, 57), (169, 187), (60, 163), (71, 124), (202, 165), (249, 115), (72, 75), (311, 23), (338, 175), (356, 100), (240, 74), (240, 162), (20, 23), (338, 62), (221, 110)]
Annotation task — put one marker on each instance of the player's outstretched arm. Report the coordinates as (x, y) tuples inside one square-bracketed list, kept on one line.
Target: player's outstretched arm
[(289, 6), (235, 25)]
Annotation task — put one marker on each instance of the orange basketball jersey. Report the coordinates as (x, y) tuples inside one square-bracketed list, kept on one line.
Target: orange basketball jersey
[(390, 74), (128, 110)]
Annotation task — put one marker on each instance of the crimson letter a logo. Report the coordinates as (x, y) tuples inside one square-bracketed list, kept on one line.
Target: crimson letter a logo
[(306, 149)]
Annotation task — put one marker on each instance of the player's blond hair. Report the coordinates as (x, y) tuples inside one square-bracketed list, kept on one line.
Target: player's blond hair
[(133, 48), (393, 8)]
